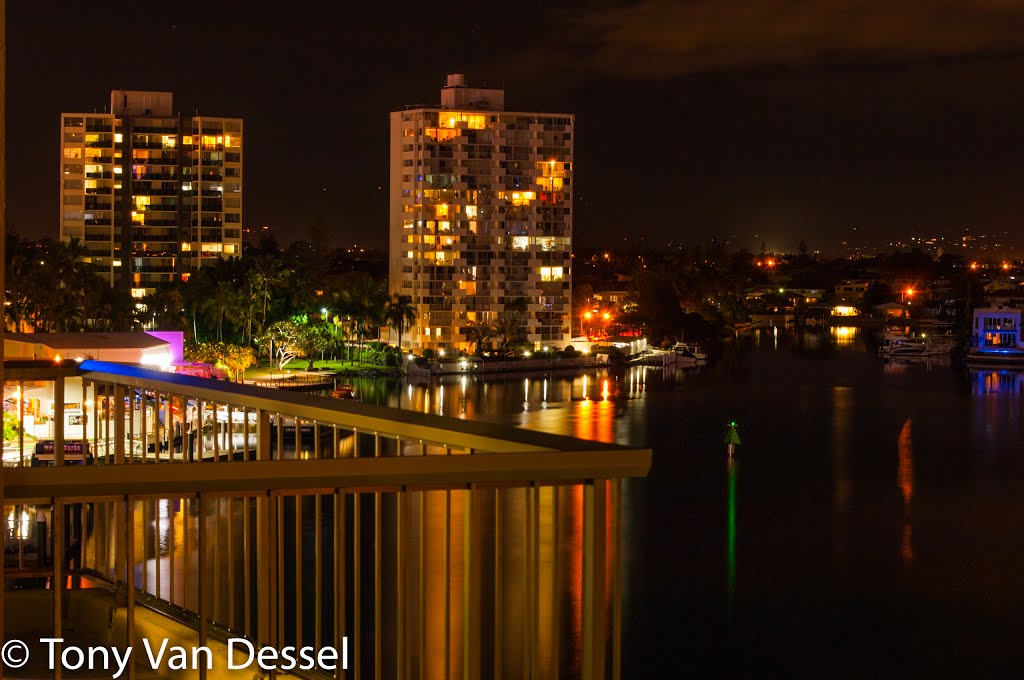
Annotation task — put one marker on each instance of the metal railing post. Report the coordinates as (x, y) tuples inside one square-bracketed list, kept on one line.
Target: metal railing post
[(204, 609), (118, 424), (594, 546), (126, 509), (57, 585), (58, 419)]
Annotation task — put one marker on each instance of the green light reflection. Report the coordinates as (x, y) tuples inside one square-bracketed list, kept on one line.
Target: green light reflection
[(731, 541)]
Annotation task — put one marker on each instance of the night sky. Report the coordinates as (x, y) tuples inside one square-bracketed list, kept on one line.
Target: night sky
[(770, 120)]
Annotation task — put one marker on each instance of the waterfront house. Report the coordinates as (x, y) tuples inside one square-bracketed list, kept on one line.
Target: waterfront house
[(893, 310), (853, 290), (996, 329)]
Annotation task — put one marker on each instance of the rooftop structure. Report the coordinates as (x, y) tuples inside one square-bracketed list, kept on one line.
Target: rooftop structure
[(125, 348)]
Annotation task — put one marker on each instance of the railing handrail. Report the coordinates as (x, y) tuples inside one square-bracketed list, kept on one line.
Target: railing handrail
[(25, 485), (349, 414)]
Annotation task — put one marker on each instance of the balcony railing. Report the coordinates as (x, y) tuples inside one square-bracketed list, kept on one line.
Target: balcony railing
[(287, 519)]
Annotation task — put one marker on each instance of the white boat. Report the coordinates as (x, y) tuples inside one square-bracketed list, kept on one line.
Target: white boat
[(665, 359), (901, 346), (686, 349)]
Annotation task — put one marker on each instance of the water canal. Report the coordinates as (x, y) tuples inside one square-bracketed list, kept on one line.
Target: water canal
[(871, 523)]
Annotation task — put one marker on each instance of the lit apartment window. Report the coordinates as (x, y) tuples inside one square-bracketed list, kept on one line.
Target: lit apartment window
[(523, 197), (551, 273)]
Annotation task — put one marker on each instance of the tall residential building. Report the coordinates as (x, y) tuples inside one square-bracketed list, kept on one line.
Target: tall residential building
[(481, 217), (150, 195)]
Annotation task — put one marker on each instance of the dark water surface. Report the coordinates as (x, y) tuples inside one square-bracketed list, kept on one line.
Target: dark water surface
[(872, 523)]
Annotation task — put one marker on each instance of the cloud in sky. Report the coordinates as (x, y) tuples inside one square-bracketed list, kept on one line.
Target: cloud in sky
[(653, 39)]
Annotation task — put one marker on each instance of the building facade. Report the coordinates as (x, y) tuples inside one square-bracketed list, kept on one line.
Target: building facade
[(151, 196), (997, 328), (481, 219)]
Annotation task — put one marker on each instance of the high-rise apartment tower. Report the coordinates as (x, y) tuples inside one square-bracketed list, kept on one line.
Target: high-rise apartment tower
[(150, 195), (481, 218)]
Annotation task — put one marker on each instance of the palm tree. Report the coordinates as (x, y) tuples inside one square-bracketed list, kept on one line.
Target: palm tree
[(400, 313), (308, 267), (479, 332), (366, 303), (377, 309), (266, 274), (20, 279), (222, 304), (249, 303), (509, 327)]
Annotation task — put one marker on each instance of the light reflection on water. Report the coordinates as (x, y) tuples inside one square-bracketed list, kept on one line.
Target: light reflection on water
[(582, 405), (844, 336), (817, 423), (834, 494)]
